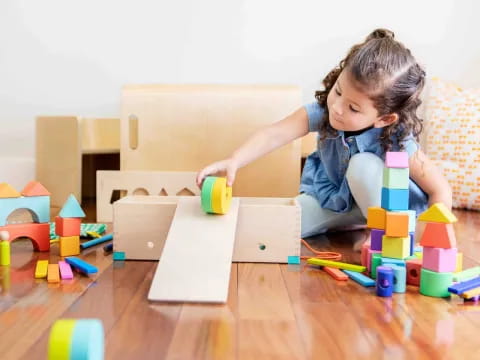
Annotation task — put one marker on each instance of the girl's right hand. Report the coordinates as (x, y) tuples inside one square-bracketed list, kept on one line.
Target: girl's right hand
[(224, 167)]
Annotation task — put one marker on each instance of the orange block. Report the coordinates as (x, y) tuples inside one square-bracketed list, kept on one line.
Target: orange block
[(7, 191), (34, 188), (53, 274), (396, 224), (69, 245), (376, 217), (439, 235), (337, 274), (67, 226)]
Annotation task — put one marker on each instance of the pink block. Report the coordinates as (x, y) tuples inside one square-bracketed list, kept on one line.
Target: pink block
[(369, 258), (65, 270), (396, 159), (364, 253), (439, 260)]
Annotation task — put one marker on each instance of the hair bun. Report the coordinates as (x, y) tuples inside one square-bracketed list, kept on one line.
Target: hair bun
[(380, 34)]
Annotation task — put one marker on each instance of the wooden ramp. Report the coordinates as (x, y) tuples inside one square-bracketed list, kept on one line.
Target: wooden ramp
[(197, 256)]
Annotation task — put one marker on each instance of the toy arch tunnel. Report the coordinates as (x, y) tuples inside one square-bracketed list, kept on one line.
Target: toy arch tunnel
[(36, 200)]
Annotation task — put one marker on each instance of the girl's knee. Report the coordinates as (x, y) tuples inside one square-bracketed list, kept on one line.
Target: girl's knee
[(363, 166)]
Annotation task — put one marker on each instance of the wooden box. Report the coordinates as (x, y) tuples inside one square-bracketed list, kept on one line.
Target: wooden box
[(268, 229)]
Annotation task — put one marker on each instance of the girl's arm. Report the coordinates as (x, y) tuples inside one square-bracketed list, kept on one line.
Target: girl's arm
[(260, 143), (424, 172)]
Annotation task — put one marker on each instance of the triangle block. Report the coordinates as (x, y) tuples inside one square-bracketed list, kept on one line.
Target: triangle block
[(7, 191), (438, 213), (71, 208), (438, 235), (34, 188)]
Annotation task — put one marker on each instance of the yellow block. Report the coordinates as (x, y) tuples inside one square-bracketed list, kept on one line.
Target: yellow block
[(336, 264), (221, 196), (69, 245), (376, 217), (439, 213), (41, 269), (471, 293), (60, 339), (53, 273), (395, 247), (459, 266)]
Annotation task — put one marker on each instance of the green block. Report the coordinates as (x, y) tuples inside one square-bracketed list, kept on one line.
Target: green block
[(376, 261), (467, 274), (394, 178), (206, 194), (435, 284)]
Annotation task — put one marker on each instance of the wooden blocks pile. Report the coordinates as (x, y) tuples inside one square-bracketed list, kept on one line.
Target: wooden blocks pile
[(439, 251), (67, 227), (392, 225), (63, 270)]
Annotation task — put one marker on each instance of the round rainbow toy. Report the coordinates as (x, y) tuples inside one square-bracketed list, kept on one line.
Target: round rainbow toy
[(216, 196), (76, 339)]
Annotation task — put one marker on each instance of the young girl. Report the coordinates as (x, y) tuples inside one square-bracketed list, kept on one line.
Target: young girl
[(368, 107)]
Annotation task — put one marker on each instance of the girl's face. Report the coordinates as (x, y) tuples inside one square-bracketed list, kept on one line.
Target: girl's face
[(349, 109)]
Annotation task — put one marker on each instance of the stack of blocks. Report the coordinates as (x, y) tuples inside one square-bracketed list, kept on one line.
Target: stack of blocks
[(392, 225), (67, 227), (439, 251), (34, 198)]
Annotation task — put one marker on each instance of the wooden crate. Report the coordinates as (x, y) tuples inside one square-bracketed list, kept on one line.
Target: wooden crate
[(268, 229), (186, 127)]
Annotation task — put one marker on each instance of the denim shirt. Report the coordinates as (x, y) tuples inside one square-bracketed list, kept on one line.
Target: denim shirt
[(324, 171)]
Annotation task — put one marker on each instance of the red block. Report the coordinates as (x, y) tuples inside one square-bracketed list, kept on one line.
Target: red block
[(439, 235), (38, 233), (67, 226), (414, 269)]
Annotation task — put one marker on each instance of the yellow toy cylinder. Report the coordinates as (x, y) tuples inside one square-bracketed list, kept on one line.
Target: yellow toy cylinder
[(4, 253)]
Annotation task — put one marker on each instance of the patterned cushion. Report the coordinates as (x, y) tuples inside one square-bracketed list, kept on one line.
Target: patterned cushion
[(452, 138)]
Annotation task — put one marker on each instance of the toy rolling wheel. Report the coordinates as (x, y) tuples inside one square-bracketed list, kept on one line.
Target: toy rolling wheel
[(216, 196), (72, 339)]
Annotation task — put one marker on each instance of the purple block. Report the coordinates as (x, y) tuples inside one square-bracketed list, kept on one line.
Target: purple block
[(376, 239), (439, 260)]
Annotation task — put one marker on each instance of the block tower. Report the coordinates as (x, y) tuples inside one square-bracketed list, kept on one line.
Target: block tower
[(439, 251), (392, 225), (67, 227)]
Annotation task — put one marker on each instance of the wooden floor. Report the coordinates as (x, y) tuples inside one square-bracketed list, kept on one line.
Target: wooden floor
[(273, 311)]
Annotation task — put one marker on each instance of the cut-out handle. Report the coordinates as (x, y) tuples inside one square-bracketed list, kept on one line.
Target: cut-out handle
[(133, 131)]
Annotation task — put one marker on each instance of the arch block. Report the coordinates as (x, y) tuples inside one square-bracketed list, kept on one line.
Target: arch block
[(39, 205), (38, 233)]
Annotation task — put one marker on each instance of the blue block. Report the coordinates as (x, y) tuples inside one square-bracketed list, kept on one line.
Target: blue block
[(294, 260), (118, 255), (94, 242), (81, 265), (418, 249), (38, 205), (71, 208), (463, 286), (385, 281), (399, 278), (394, 199), (412, 242), (360, 278), (390, 261), (87, 340)]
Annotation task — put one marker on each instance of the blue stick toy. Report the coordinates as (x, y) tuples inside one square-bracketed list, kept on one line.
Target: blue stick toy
[(94, 242)]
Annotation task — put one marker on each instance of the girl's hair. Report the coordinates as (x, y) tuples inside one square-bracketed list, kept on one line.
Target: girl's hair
[(389, 74)]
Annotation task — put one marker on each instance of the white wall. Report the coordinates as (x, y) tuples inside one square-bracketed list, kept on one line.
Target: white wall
[(72, 57)]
